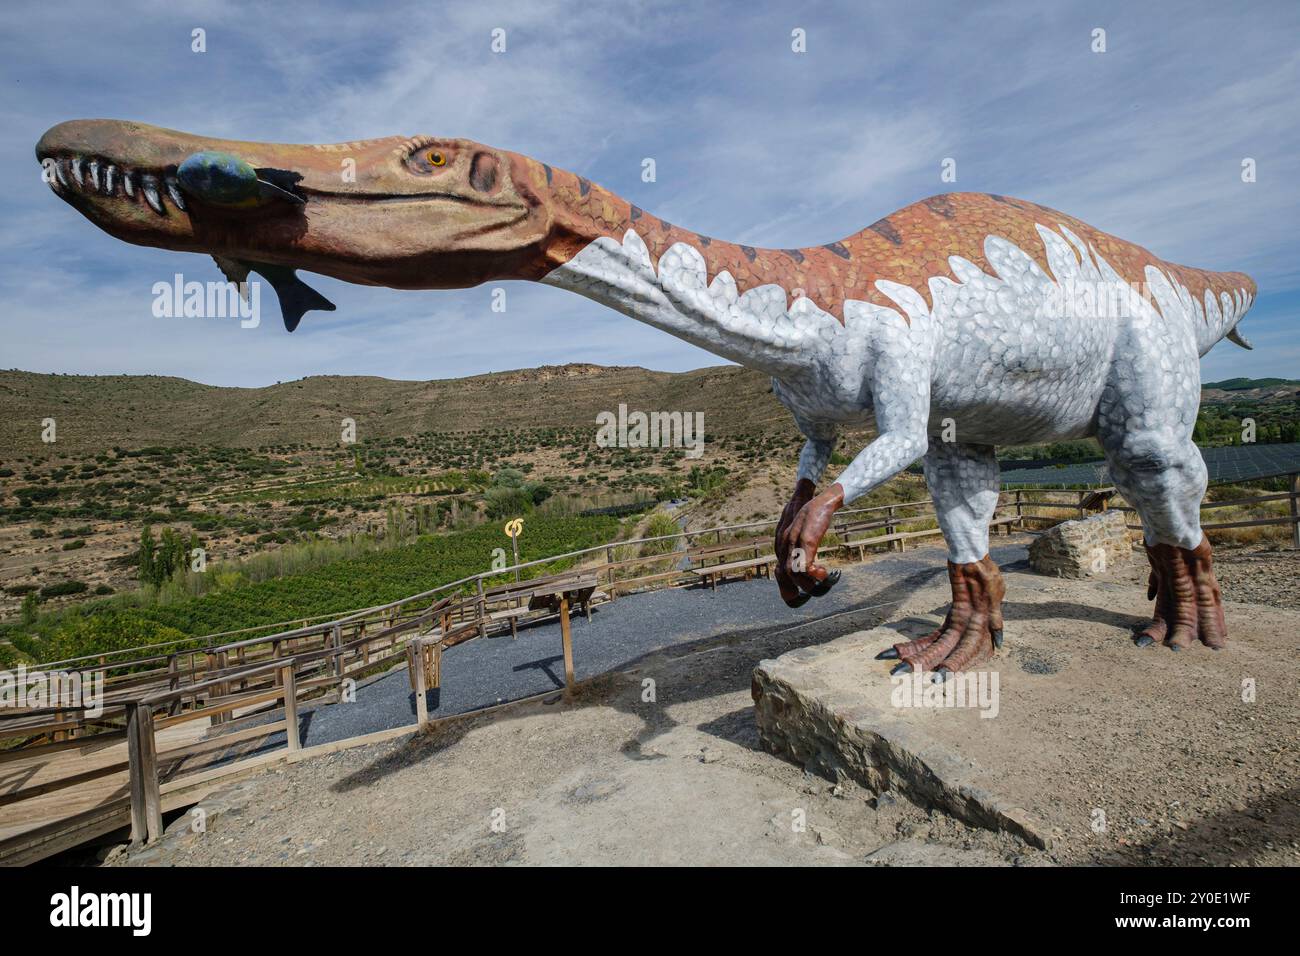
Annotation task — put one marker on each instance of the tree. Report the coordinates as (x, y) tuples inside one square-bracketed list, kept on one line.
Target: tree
[(148, 573)]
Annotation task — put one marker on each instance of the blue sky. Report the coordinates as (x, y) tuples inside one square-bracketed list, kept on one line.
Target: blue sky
[(752, 143)]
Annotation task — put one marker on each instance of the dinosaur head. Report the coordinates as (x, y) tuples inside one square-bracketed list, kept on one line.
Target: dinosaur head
[(409, 213)]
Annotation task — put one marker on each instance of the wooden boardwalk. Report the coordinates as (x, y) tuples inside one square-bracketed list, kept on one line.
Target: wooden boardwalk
[(36, 795)]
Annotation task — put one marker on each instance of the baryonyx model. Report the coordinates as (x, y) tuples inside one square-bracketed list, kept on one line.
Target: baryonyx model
[(963, 316)]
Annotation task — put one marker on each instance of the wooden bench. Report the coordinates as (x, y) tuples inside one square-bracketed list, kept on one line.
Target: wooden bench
[(902, 537), (525, 598), (711, 572)]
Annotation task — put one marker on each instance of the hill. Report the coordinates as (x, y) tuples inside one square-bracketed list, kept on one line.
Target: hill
[(1252, 389), (98, 412)]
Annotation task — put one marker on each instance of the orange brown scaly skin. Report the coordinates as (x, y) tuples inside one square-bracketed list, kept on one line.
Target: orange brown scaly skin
[(799, 533), (972, 630), (1189, 605), (909, 246)]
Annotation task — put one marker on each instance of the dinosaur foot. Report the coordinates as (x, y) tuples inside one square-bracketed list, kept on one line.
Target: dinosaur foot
[(970, 633), (1189, 606)]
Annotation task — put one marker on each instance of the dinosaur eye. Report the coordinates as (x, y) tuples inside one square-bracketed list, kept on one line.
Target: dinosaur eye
[(436, 159)]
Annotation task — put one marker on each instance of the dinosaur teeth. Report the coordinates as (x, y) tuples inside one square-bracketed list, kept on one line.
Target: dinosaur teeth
[(174, 191), (104, 177), (149, 186)]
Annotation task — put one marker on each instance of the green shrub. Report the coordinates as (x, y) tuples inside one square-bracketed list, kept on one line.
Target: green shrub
[(105, 631), (63, 588), (659, 524)]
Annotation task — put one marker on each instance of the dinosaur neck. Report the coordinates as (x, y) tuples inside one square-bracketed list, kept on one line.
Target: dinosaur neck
[(684, 289)]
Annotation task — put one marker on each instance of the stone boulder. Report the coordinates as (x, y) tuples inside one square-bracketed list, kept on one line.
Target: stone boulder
[(1083, 548)]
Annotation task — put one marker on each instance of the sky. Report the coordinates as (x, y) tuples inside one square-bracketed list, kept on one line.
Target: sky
[(752, 142)]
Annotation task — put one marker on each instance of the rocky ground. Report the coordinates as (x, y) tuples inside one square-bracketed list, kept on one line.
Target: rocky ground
[(1259, 574)]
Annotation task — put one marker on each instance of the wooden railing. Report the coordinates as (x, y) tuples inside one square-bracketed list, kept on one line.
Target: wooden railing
[(151, 688)]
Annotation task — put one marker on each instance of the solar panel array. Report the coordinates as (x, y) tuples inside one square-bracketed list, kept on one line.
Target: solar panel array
[(1227, 464)]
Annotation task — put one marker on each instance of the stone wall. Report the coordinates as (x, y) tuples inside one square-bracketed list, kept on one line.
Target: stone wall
[(1083, 548)]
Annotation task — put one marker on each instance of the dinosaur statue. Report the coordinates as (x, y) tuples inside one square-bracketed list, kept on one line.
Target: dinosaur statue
[(951, 323)]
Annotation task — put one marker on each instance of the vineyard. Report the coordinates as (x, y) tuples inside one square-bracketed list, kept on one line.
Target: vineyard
[(373, 578)]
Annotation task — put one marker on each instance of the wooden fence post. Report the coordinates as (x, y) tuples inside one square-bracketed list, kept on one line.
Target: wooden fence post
[(567, 639), (1295, 512), (336, 638), (417, 663), (213, 664), (289, 683), (142, 766), (482, 610), (174, 682)]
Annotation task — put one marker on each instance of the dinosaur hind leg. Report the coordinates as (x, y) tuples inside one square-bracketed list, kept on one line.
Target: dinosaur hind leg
[(963, 481), (1158, 469)]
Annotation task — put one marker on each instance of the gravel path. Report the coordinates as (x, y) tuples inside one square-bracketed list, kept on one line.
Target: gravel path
[(487, 671)]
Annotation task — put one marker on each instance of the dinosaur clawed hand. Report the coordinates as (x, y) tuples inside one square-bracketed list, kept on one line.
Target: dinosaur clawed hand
[(970, 633), (1189, 606), (799, 533)]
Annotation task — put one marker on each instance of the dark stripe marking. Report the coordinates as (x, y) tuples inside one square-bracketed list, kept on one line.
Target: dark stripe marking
[(941, 206), (886, 229)]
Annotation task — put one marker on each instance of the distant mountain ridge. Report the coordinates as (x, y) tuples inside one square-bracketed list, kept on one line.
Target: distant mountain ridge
[(1252, 389), (133, 411)]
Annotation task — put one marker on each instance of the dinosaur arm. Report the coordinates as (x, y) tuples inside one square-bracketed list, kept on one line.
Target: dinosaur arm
[(816, 453)]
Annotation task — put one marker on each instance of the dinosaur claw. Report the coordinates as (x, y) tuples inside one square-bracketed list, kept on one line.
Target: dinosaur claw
[(940, 675), (888, 654), (997, 638), (901, 668), (1144, 640), (821, 587)]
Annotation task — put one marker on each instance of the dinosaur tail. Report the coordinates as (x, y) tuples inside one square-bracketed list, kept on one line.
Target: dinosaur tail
[(1218, 301)]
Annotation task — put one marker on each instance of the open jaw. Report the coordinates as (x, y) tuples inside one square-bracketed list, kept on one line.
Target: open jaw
[(410, 213), (98, 176)]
